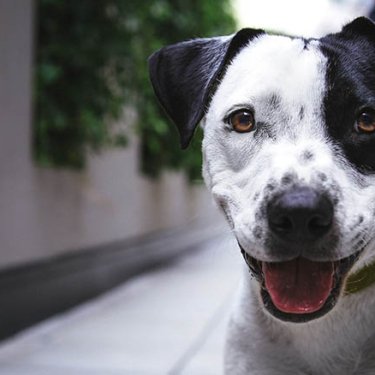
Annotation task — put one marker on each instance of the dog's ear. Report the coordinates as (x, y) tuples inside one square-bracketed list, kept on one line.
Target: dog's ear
[(183, 76), (361, 26)]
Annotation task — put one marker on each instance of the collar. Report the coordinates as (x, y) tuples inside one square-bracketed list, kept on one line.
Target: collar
[(361, 279)]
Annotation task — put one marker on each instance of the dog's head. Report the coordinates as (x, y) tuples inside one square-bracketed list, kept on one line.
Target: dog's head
[(288, 150)]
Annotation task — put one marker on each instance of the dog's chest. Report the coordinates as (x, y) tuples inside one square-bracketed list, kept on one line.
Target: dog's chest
[(341, 343)]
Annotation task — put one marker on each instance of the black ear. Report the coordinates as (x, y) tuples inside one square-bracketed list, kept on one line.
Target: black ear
[(361, 26), (183, 76)]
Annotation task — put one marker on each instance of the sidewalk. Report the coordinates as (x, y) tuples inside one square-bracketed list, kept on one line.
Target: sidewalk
[(169, 321)]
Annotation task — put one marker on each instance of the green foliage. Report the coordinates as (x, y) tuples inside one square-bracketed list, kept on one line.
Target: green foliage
[(91, 59)]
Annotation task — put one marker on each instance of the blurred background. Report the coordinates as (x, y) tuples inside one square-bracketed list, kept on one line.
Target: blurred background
[(94, 189)]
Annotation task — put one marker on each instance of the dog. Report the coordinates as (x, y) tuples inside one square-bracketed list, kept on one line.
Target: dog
[(289, 157)]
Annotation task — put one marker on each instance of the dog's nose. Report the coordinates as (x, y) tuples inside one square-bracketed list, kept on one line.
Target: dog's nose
[(300, 214)]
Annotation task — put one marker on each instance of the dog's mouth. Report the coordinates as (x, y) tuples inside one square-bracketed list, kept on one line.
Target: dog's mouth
[(300, 290)]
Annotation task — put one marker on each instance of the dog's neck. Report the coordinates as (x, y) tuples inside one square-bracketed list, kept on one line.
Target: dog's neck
[(361, 279)]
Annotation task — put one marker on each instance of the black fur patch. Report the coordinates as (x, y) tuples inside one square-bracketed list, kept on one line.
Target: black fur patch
[(185, 75), (322, 176), (301, 113), (351, 88), (274, 101), (288, 178), (307, 155)]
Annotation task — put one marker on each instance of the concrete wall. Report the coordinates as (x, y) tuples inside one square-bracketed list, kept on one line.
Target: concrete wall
[(47, 212)]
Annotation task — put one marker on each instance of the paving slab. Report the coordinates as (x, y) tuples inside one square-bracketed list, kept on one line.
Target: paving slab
[(169, 321)]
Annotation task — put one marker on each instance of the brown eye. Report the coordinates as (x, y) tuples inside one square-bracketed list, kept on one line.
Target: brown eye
[(242, 121), (366, 122)]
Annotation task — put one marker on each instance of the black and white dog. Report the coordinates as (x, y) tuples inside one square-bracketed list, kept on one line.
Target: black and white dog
[(289, 156)]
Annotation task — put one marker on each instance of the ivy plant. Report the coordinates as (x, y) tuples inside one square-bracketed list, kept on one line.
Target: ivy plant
[(91, 61)]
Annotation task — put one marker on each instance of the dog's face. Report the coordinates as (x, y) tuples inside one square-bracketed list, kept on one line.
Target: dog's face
[(288, 150)]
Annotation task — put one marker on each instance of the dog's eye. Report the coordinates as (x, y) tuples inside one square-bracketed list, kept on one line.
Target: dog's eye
[(242, 121), (366, 122)]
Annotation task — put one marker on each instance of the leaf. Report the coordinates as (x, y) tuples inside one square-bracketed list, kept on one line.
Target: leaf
[(91, 62)]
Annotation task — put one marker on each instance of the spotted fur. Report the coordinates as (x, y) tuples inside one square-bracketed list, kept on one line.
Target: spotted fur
[(305, 95)]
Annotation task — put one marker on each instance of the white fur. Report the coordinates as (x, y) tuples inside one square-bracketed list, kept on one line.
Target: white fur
[(238, 167)]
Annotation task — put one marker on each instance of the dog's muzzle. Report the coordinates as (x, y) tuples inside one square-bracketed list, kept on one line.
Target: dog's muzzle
[(306, 284)]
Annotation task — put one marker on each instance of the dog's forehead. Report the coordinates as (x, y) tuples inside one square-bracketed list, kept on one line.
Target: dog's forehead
[(292, 69)]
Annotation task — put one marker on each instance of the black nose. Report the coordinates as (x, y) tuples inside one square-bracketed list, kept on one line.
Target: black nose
[(300, 214)]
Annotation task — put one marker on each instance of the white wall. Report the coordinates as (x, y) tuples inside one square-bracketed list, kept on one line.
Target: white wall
[(299, 17), (47, 212)]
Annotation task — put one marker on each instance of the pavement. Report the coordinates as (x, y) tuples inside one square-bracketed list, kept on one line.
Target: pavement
[(171, 321)]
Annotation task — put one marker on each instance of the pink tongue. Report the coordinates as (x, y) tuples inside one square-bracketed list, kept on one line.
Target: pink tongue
[(299, 286)]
